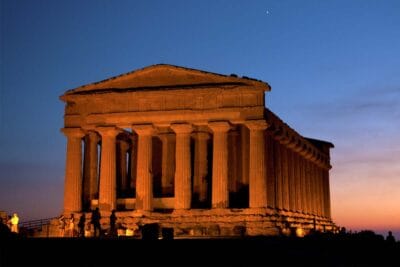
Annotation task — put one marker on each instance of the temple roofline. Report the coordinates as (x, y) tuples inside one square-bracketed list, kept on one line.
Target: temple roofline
[(183, 77), (319, 142), (319, 150)]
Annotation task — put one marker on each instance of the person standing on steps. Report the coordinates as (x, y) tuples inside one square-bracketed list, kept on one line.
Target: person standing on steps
[(95, 220), (113, 220), (71, 226), (81, 225), (14, 223)]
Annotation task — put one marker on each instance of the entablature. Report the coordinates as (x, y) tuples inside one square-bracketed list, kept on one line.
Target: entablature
[(177, 99), (284, 134)]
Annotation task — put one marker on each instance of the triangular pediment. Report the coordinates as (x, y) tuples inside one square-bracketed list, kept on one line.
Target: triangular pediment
[(166, 76)]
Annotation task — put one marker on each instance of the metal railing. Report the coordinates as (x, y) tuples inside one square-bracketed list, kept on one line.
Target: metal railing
[(35, 225)]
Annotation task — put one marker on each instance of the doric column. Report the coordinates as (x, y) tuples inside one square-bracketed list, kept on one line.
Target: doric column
[(299, 207), (323, 189), (278, 176), (73, 170), (316, 190), (320, 192), (316, 180), (308, 185), (270, 159), (200, 165), (292, 185), (233, 153), (123, 179), (304, 190), (219, 191), (244, 147), (313, 190), (257, 165), (90, 182), (144, 178), (328, 194), (133, 162), (108, 183), (183, 186), (168, 163), (285, 176)]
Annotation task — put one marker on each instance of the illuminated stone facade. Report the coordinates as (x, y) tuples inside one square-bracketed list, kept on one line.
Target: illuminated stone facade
[(191, 150)]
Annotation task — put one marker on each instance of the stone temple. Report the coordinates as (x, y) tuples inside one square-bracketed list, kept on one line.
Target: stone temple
[(193, 151)]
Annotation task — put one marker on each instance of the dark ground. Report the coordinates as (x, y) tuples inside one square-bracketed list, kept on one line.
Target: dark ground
[(364, 249)]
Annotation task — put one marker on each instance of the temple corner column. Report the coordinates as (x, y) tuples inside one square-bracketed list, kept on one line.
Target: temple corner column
[(257, 165), (73, 170)]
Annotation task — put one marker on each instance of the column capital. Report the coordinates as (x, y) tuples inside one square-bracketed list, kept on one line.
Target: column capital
[(182, 128), (201, 135), (110, 131), (73, 132), (166, 136), (94, 136), (256, 125), (143, 129), (124, 146), (219, 126)]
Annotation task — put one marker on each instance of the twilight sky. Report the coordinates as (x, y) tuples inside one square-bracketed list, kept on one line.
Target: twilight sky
[(334, 68)]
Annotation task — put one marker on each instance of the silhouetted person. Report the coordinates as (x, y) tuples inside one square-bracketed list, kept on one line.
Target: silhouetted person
[(342, 231), (81, 225), (96, 222), (113, 220), (390, 238), (4, 230), (62, 223)]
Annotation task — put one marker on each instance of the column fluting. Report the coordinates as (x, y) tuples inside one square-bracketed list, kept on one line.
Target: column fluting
[(144, 177), (108, 183), (257, 165), (73, 170), (183, 186), (219, 190)]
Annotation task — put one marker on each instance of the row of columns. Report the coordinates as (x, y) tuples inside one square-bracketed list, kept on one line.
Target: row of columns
[(301, 184), (277, 175), (144, 181)]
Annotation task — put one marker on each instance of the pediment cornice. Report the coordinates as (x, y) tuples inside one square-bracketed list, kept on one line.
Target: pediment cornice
[(163, 76)]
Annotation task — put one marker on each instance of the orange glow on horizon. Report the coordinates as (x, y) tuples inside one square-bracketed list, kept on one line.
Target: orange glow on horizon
[(365, 188)]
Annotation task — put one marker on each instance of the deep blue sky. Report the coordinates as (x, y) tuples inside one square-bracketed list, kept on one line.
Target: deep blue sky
[(334, 68)]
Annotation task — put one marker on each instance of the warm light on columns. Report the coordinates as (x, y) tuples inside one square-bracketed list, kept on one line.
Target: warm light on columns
[(200, 165), (168, 162), (257, 165), (144, 178), (90, 184), (108, 183), (219, 191), (123, 147), (183, 185), (73, 170)]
